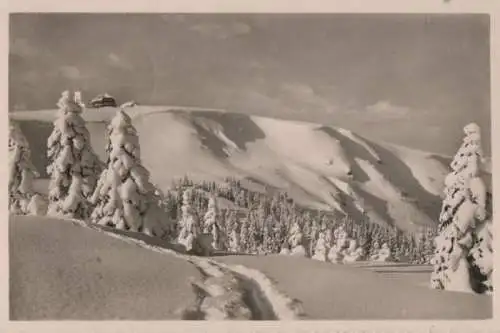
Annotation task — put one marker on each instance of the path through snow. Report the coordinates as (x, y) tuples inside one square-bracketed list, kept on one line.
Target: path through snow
[(226, 291)]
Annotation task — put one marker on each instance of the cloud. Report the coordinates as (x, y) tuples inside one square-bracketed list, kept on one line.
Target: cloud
[(222, 31), (70, 72), (299, 90), (22, 47), (256, 65), (304, 98), (260, 101), (113, 58), (293, 99), (387, 109), (117, 61)]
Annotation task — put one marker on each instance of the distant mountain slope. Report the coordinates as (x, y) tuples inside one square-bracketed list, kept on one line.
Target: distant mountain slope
[(320, 166)]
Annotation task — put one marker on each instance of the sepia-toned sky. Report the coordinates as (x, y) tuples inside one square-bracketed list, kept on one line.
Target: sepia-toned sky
[(414, 80)]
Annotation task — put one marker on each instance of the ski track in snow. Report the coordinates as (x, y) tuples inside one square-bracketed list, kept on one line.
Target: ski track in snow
[(257, 292), (285, 307)]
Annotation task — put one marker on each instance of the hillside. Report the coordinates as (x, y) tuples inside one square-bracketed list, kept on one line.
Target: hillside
[(319, 166), (53, 263)]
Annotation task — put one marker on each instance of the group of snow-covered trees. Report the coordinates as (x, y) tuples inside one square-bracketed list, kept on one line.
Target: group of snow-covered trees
[(117, 194), (257, 223)]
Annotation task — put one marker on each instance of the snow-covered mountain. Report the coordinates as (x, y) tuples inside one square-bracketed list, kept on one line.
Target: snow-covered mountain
[(320, 166)]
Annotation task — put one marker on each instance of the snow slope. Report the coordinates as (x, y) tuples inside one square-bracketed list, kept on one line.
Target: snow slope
[(53, 263), (329, 291), (66, 270), (103, 273), (320, 166)]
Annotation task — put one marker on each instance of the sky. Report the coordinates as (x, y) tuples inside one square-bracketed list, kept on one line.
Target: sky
[(414, 80)]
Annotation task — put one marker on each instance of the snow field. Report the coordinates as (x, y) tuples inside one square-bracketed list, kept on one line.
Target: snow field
[(224, 289), (60, 271)]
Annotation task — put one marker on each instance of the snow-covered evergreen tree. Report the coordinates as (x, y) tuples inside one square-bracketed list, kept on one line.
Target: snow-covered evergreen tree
[(73, 165), (296, 241), (384, 254), (337, 252), (321, 249), (252, 233), (22, 197), (313, 236), (285, 248), (463, 214), (234, 233), (190, 228), (78, 99), (267, 235), (374, 252), (211, 225), (277, 242), (244, 235), (429, 246), (232, 239), (124, 197), (353, 252)]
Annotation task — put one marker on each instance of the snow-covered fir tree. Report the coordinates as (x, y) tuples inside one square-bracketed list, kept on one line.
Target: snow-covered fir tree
[(267, 235), (353, 252), (336, 253), (233, 233), (253, 232), (428, 246), (78, 99), (124, 197), (166, 203), (276, 242), (222, 226), (321, 249), (244, 235), (285, 248), (212, 225), (189, 224), (22, 197), (313, 236), (384, 254), (73, 165), (463, 214), (296, 241)]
